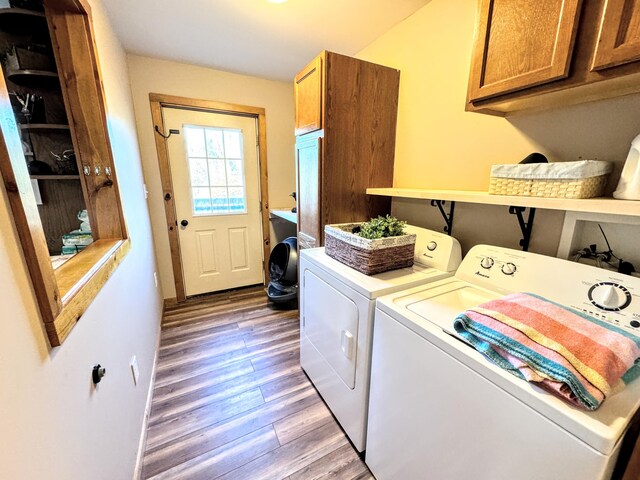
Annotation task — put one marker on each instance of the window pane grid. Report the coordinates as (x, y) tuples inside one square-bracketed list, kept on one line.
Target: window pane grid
[(217, 178)]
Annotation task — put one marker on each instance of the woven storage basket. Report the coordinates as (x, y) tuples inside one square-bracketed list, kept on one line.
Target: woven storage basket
[(582, 179), (365, 255)]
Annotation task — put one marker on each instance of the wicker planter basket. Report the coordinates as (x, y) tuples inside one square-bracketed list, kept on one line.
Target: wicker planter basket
[(582, 179), (368, 256)]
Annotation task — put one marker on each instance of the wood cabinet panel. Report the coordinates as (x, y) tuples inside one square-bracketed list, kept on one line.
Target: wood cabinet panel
[(354, 149), (308, 97), (521, 44), (308, 158), (619, 34), (614, 74), (359, 138)]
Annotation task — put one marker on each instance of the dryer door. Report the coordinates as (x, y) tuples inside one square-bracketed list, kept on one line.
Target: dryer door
[(331, 325)]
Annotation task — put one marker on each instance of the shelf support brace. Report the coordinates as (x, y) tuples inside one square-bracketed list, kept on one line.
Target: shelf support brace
[(448, 217), (525, 227)]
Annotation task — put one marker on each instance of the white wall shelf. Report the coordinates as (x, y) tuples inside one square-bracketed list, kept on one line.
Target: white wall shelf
[(592, 205), (285, 214)]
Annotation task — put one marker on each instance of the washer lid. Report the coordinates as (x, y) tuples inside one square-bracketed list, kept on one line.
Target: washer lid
[(447, 302), (373, 286), (429, 311)]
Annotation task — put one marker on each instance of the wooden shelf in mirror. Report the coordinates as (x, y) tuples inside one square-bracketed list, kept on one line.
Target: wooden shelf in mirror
[(43, 126), (31, 77), (17, 20), (55, 177)]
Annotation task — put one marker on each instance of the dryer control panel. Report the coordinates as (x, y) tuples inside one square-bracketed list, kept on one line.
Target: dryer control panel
[(605, 295)]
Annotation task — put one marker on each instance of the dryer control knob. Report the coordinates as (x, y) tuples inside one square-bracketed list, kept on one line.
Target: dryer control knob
[(486, 262), (508, 268), (431, 246), (609, 296)]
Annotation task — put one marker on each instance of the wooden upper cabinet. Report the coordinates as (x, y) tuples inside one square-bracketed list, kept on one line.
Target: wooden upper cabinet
[(522, 44), (619, 34), (553, 53), (308, 97), (350, 144)]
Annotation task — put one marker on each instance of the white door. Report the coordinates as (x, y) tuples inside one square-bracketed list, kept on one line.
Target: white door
[(215, 177)]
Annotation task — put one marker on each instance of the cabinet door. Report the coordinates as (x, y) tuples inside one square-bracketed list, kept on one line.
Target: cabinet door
[(308, 158), (521, 44), (619, 35), (308, 97)]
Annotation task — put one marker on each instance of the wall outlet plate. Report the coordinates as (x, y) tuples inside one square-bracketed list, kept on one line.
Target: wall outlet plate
[(135, 371)]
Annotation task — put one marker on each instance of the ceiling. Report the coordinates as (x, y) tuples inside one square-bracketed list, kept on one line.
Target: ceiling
[(253, 37)]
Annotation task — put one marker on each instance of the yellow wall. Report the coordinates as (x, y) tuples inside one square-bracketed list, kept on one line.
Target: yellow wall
[(159, 76), (439, 145), (54, 424)]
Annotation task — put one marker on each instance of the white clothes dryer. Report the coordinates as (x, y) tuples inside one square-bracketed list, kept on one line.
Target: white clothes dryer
[(439, 409), (337, 305)]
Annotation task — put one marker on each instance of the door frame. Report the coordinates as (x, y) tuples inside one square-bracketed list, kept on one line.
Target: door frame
[(157, 101)]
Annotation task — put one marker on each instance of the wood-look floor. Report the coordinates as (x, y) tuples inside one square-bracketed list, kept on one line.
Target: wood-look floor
[(231, 402)]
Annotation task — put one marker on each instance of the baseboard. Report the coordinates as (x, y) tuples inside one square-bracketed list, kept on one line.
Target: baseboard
[(147, 411), (170, 302)]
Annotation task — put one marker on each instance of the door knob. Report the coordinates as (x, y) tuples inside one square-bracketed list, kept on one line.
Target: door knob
[(184, 223)]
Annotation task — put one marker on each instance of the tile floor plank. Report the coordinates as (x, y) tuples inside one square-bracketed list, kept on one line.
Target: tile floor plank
[(221, 375), (289, 458), (230, 399), (199, 418), (342, 463), (297, 424), (283, 385), (185, 398), (192, 445), (224, 459)]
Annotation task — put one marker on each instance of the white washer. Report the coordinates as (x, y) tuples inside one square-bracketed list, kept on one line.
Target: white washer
[(439, 409), (337, 304)]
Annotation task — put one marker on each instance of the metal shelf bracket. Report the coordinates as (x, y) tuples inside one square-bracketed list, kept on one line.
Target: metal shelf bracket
[(448, 217), (525, 227)]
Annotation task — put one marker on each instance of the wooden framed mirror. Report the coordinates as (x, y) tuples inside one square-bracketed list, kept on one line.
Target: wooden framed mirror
[(65, 292)]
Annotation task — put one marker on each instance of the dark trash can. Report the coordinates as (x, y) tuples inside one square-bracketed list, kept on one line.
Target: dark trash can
[(283, 272)]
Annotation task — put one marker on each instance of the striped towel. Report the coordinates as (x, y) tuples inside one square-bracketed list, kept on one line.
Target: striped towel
[(575, 356)]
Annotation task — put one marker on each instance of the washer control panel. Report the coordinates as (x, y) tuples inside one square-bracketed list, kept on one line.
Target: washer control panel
[(605, 295), (609, 296)]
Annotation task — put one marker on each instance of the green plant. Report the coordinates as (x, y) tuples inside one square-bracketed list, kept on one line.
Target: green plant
[(381, 227)]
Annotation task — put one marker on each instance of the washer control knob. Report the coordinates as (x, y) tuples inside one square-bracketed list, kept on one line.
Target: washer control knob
[(509, 268), (487, 262), (609, 296), (634, 323), (431, 246)]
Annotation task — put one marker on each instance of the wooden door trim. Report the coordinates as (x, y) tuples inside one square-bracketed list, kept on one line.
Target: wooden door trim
[(157, 102)]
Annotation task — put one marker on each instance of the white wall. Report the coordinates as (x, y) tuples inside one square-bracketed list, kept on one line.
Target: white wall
[(441, 146), (54, 424), (150, 75)]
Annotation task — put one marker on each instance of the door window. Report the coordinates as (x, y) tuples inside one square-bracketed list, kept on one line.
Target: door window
[(216, 170)]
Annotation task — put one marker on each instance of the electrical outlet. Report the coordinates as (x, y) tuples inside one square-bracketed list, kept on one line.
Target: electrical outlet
[(155, 278), (134, 369)]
